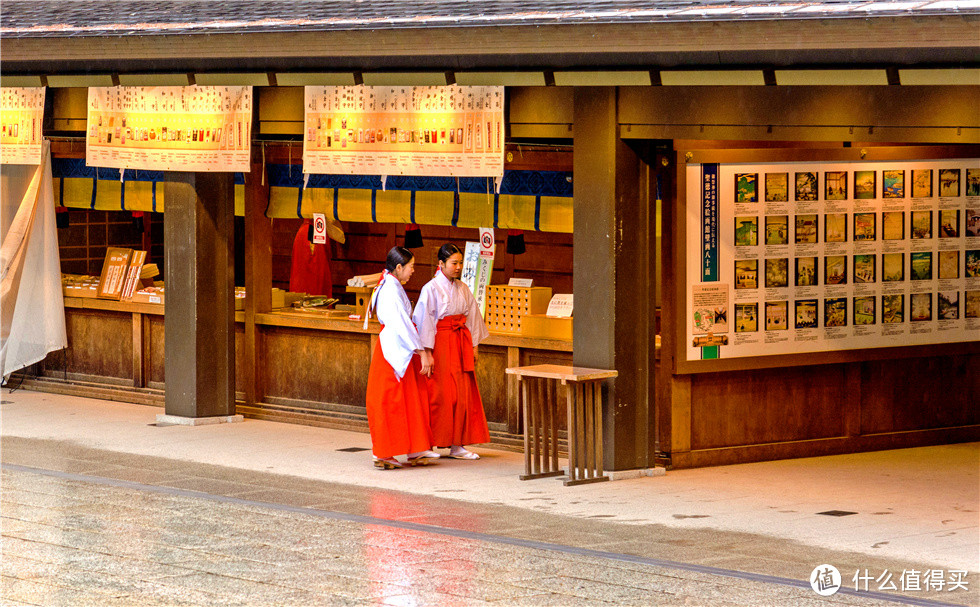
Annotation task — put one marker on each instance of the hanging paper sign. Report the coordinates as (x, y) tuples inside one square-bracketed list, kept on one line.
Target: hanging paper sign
[(21, 117), (170, 128), (404, 130), (319, 228)]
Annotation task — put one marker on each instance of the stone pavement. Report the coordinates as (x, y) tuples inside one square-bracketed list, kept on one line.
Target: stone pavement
[(100, 506)]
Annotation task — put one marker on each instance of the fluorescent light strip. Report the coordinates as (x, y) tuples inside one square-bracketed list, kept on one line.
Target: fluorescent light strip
[(602, 78), (940, 77), (831, 77), (209, 79), (21, 81), (79, 80), (315, 79), (500, 78), (713, 78), (404, 78), (153, 80)]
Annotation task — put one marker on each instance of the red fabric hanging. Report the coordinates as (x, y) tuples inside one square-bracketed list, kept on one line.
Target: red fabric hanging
[(310, 271)]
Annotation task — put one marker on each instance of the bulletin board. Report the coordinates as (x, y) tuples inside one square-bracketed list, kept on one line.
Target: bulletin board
[(787, 257)]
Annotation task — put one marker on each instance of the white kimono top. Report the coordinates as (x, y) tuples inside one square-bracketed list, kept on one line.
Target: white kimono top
[(441, 297), (399, 339)]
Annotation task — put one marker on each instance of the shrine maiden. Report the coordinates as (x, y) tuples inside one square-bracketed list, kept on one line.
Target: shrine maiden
[(397, 397), (450, 327)]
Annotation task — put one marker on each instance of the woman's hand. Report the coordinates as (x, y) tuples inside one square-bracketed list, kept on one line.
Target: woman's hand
[(475, 354), (426, 357)]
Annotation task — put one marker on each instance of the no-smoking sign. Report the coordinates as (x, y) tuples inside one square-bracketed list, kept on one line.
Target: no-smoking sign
[(486, 242), (319, 228)]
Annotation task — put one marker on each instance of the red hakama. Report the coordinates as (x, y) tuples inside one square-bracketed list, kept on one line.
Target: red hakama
[(456, 409), (397, 410)]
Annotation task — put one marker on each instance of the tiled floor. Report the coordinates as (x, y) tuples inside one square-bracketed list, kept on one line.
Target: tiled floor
[(130, 530), (71, 539)]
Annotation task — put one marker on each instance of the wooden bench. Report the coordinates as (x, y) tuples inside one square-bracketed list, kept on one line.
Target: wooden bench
[(540, 395)]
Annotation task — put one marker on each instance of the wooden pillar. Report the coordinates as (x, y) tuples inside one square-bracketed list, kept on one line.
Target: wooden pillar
[(258, 275), (614, 298), (199, 352), (673, 407)]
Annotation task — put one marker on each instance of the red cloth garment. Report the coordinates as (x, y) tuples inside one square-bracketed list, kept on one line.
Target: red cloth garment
[(310, 271), (398, 412), (455, 406)]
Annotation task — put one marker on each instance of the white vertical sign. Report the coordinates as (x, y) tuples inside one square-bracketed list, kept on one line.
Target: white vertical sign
[(471, 265), (485, 268)]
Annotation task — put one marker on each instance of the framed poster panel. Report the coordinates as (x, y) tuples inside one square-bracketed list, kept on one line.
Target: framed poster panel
[(838, 254)]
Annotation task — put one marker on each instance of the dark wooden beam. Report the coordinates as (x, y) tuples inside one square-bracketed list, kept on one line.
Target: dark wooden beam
[(199, 270), (614, 320), (258, 275)]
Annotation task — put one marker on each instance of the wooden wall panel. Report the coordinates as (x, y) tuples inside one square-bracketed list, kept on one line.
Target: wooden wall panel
[(322, 366), (239, 357), (491, 379), (153, 348), (767, 405), (920, 393), (99, 343)]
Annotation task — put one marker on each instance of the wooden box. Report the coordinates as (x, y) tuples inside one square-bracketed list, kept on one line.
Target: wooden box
[(280, 298), (153, 297), (541, 326), (362, 298), (89, 290), (507, 306)]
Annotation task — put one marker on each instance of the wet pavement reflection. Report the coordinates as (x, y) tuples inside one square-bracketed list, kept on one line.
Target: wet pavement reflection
[(91, 539)]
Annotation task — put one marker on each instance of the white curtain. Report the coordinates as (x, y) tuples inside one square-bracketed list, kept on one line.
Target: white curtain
[(33, 308)]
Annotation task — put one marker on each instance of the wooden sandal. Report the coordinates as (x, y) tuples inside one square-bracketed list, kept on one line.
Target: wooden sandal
[(387, 463)]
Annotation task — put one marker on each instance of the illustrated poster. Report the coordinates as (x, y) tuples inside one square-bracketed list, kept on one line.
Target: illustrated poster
[(710, 305), (826, 256), (170, 128), (404, 130), (21, 118)]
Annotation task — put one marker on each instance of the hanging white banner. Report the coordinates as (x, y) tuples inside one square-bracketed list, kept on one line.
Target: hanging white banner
[(21, 117), (170, 128), (404, 130)]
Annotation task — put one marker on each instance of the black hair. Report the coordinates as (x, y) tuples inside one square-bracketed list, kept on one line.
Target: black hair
[(398, 256), (448, 250)]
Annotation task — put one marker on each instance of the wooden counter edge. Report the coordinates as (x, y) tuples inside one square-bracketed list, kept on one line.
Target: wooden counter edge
[(90, 303), (301, 321)]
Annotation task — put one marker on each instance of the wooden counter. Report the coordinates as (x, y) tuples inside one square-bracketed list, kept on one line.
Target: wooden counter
[(313, 369)]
